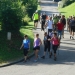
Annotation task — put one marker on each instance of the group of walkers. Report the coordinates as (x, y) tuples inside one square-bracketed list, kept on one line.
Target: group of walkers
[(55, 25)]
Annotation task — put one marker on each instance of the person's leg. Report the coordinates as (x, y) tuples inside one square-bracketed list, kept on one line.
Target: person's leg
[(73, 34), (25, 55), (60, 34), (54, 49), (36, 53), (45, 49), (63, 33), (49, 50), (70, 32)]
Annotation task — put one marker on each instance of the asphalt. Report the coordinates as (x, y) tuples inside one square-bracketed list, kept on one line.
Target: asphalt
[(65, 64)]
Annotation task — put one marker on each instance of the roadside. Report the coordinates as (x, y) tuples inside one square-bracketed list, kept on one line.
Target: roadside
[(28, 29)]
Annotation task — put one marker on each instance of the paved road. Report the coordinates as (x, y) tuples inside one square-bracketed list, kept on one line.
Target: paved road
[(65, 64)]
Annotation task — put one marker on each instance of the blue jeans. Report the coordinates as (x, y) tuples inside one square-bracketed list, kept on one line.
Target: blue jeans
[(59, 33)]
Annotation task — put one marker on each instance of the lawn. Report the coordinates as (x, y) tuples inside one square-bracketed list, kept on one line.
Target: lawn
[(9, 50), (68, 10)]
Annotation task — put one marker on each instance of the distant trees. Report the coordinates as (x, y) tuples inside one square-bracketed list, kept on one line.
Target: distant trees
[(67, 2)]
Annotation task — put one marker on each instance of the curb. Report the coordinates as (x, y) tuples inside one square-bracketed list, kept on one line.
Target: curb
[(14, 62)]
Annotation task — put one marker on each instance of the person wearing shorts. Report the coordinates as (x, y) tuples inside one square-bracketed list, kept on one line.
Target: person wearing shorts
[(36, 46), (35, 18), (26, 47), (46, 45)]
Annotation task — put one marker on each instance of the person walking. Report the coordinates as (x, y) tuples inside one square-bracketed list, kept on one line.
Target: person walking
[(72, 30), (68, 23), (35, 18), (55, 44), (26, 47), (64, 23), (36, 45), (49, 25), (43, 21), (60, 27), (55, 21), (46, 45)]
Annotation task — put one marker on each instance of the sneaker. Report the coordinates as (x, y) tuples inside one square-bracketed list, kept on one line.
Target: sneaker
[(70, 37), (73, 38), (43, 57)]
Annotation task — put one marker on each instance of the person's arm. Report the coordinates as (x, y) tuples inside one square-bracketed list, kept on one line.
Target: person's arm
[(21, 46), (40, 42)]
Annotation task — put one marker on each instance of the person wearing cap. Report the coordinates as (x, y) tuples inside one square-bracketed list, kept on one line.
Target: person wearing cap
[(35, 18)]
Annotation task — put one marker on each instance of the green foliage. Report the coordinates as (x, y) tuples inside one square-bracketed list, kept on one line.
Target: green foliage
[(30, 6), (10, 20), (68, 10), (67, 2), (11, 15)]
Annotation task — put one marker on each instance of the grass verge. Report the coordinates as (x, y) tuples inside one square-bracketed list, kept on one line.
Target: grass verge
[(9, 50), (68, 10)]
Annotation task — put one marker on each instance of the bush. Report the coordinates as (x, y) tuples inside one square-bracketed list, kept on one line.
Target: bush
[(11, 16), (25, 20), (10, 20), (30, 6)]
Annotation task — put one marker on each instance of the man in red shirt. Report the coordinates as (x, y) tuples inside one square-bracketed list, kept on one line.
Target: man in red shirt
[(60, 27)]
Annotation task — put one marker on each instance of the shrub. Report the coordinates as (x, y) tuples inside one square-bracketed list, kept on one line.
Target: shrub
[(10, 20), (12, 16), (25, 20), (30, 6)]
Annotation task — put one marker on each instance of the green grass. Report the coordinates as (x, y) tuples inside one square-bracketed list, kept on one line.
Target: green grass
[(9, 50), (68, 10)]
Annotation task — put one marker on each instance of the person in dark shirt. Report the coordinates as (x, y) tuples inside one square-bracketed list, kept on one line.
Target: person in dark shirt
[(63, 20), (46, 45), (72, 28), (68, 23), (43, 19)]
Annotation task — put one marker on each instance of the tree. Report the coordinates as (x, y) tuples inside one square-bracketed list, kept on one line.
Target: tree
[(30, 6), (11, 15)]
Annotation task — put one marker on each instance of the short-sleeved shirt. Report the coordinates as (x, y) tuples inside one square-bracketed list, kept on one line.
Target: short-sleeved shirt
[(60, 26), (55, 41), (50, 24), (36, 42), (26, 43)]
